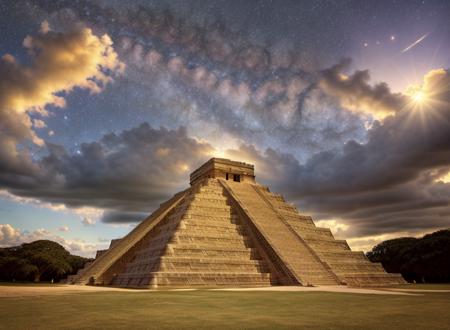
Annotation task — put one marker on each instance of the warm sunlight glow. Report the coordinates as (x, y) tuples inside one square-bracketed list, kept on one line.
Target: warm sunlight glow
[(445, 178), (419, 96), (427, 102)]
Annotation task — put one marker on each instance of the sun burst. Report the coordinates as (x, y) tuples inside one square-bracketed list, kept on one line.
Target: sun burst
[(425, 105), (419, 96)]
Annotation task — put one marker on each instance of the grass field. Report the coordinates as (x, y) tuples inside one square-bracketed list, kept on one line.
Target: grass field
[(204, 309), (423, 286)]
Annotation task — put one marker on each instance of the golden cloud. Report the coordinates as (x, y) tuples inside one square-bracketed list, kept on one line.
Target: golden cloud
[(59, 62), (356, 94)]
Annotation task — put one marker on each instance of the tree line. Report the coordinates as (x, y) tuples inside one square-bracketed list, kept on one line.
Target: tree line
[(420, 260), (41, 260)]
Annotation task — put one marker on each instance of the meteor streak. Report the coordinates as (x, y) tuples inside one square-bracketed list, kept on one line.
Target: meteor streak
[(415, 43)]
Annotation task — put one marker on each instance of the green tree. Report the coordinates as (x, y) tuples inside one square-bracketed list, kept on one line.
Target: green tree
[(425, 259), (41, 260)]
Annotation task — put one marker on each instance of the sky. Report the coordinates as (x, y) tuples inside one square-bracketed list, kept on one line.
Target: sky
[(106, 107)]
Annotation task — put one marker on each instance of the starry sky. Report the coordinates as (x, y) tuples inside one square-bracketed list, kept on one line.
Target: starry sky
[(107, 106)]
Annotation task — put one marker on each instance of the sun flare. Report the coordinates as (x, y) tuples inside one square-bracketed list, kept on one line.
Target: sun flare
[(419, 96)]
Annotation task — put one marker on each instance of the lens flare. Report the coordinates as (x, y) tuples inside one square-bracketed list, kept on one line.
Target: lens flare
[(419, 97), (425, 102)]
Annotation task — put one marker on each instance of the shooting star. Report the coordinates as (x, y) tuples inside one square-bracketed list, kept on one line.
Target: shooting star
[(415, 43)]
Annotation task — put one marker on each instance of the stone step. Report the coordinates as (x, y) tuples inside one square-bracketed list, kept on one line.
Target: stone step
[(214, 202), (341, 256), (212, 251), (211, 221), (273, 197), (208, 212), (197, 226), (285, 207), (190, 279), (319, 282), (151, 264), (215, 207), (211, 189), (208, 245), (373, 279), (348, 272), (313, 233), (203, 260), (362, 267), (204, 265), (325, 239), (229, 219), (299, 220), (210, 203), (328, 245), (206, 242), (216, 217)]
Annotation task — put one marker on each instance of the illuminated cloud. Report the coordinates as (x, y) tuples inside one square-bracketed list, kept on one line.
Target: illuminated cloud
[(130, 173), (436, 87), (37, 123), (337, 227), (83, 212), (63, 228), (115, 178), (88, 221), (356, 94), (10, 236), (59, 62), (392, 183)]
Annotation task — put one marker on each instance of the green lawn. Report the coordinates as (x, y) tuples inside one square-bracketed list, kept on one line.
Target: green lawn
[(233, 310), (445, 286)]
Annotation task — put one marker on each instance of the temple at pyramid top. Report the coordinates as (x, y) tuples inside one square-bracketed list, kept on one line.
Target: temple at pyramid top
[(228, 230), (221, 168)]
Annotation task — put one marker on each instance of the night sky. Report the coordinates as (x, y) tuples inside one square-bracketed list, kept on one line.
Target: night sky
[(107, 106)]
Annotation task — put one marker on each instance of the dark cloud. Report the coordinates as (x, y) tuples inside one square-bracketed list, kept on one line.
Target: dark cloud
[(388, 184), (115, 217), (128, 172)]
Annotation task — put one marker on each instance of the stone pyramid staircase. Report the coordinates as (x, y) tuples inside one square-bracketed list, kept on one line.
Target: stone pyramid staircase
[(200, 243), (302, 262), (349, 267), (224, 233), (111, 261)]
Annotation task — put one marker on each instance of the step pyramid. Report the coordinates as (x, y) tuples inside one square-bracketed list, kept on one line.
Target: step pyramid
[(227, 230)]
